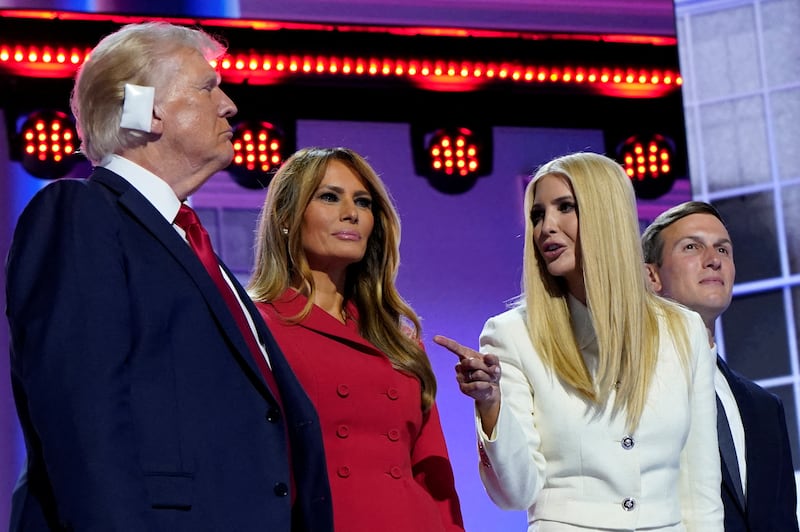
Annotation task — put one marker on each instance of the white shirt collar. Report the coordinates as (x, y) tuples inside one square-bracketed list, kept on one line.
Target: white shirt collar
[(152, 187)]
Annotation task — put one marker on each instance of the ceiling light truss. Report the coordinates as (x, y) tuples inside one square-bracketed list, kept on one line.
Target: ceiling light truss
[(263, 53)]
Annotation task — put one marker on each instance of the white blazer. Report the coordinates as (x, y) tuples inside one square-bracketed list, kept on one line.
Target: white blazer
[(575, 467)]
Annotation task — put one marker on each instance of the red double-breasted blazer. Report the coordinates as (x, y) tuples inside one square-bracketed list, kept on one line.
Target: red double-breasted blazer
[(388, 464)]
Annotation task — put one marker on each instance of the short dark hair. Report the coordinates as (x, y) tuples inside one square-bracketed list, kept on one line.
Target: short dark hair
[(653, 244)]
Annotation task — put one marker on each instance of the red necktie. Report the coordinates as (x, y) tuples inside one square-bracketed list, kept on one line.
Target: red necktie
[(201, 244)]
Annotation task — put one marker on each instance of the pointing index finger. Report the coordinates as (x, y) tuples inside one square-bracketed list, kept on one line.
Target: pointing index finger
[(462, 352)]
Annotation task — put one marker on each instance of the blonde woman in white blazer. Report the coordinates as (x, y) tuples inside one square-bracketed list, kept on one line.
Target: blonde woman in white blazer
[(594, 398)]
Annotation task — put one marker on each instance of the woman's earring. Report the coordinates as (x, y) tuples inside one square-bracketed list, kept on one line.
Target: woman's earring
[(285, 231)]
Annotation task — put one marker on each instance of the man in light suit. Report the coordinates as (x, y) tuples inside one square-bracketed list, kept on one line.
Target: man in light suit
[(689, 257), (143, 406)]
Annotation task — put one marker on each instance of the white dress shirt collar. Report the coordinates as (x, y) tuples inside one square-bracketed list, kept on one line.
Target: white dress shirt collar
[(152, 187)]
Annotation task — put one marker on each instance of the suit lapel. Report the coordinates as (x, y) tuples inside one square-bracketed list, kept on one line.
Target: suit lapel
[(291, 303), (143, 212)]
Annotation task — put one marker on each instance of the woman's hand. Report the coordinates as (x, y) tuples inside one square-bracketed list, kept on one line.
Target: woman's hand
[(478, 376)]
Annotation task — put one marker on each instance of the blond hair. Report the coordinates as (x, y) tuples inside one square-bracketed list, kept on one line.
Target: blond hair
[(137, 54), (623, 309), (385, 319)]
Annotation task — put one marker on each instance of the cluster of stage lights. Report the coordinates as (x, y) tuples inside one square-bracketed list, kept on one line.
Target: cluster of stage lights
[(259, 148), (648, 161), (454, 153), (454, 156), (48, 141)]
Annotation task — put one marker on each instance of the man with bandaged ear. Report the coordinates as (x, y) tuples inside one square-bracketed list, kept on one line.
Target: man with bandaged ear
[(151, 395)]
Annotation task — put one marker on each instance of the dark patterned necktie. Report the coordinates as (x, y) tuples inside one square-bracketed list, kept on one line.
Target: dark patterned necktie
[(727, 451)]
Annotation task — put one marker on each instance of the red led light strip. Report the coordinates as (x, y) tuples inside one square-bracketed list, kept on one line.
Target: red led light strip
[(42, 61), (441, 74), (45, 61)]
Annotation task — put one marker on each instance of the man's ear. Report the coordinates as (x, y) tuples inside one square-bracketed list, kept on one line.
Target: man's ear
[(156, 122), (654, 277)]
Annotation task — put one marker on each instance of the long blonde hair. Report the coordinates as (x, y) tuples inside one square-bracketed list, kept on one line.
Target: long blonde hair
[(385, 319), (623, 309)]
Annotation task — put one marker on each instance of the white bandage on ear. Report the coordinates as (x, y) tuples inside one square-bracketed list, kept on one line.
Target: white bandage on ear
[(137, 108)]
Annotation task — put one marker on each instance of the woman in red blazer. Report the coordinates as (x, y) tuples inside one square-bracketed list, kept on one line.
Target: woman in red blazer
[(324, 281)]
